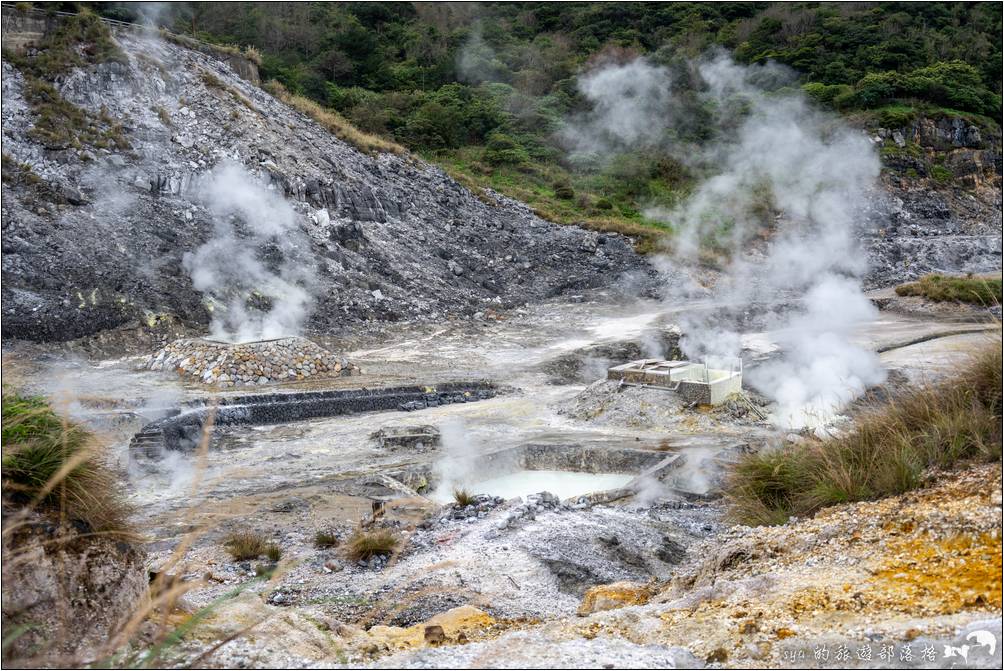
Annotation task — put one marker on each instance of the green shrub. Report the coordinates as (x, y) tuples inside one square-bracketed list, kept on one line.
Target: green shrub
[(58, 464), (885, 454), (941, 174), (826, 94), (953, 84), (503, 150), (942, 288), (564, 191)]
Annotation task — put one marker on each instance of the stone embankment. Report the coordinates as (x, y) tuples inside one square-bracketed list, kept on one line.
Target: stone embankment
[(182, 428), (261, 362)]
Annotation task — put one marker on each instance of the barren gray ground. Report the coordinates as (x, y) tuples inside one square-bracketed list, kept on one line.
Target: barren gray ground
[(289, 481)]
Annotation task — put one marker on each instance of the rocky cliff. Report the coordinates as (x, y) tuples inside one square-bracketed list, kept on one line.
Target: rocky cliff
[(942, 178), (94, 234)]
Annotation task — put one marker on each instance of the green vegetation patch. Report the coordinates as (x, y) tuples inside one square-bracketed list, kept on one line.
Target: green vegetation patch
[(77, 41), (62, 125), (887, 453), (485, 92), (334, 122), (56, 463), (945, 288)]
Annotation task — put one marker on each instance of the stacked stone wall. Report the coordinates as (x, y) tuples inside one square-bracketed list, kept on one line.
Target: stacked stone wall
[(262, 362)]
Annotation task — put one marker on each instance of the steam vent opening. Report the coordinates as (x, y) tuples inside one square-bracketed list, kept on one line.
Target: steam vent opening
[(694, 382), (261, 362)]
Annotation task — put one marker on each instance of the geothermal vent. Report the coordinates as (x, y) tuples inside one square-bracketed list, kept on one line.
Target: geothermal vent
[(249, 363)]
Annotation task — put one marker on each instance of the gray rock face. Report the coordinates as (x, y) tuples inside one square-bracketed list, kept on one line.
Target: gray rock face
[(71, 590), (925, 226), (389, 237)]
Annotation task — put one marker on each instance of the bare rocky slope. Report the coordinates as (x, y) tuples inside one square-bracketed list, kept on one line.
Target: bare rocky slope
[(93, 239), (97, 239)]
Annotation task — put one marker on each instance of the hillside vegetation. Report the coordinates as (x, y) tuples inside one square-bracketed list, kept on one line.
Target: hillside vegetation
[(888, 452), (483, 88)]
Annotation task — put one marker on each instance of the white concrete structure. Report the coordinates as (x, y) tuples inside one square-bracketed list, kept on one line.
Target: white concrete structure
[(697, 382)]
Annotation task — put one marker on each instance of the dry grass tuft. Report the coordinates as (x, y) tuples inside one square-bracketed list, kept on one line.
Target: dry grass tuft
[(252, 54), (364, 545), (936, 426), (273, 552), (213, 82), (334, 122), (325, 539), (245, 545), (56, 464), (943, 288), (462, 497)]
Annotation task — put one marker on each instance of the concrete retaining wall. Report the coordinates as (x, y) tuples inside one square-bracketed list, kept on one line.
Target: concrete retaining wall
[(183, 430)]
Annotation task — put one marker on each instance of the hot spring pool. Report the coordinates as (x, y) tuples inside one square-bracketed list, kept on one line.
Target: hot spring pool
[(562, 484)]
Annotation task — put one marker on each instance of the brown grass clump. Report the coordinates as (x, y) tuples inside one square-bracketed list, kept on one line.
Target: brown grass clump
[(462, 497), (245, 545), (943, 288), (273, 552), (55, 464), (251, 53), (936, 426), (364, 545), (334, 122), (325, 539)]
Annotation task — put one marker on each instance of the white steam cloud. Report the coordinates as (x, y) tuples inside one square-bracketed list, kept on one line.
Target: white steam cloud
[(783, 186), (456, 465), (629, 105), (249, 270)]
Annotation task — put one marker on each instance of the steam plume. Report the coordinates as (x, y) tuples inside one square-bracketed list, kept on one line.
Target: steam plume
[(248, 269), (782, 187)]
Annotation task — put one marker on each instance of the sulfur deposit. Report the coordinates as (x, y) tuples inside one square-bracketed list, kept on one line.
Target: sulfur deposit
[(251, 363)]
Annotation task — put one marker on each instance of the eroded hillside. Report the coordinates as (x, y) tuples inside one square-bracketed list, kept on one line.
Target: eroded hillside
[(94, 233)]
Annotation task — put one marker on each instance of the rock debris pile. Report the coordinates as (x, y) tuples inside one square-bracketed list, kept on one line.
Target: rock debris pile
[(251, 363)]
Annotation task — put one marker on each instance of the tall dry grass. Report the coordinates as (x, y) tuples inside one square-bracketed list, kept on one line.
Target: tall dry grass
[(936, 426), (334, 122), (984, 291), (50, 463), (55, 467)]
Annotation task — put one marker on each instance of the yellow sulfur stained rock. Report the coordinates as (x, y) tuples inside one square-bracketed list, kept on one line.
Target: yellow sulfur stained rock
[(615, 595), (458, 624)]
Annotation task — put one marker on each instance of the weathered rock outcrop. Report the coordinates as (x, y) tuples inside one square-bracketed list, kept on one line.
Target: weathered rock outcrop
[(65, 592), (943, 213), (389, 237)]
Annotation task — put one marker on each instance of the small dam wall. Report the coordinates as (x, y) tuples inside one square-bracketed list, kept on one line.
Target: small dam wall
[(182, 430)]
